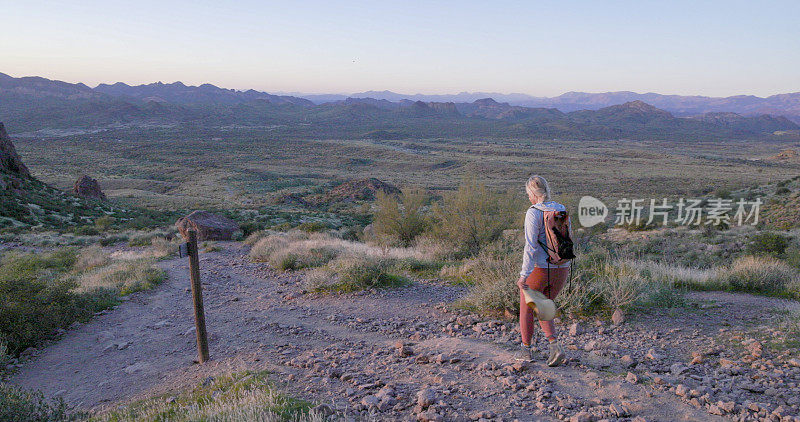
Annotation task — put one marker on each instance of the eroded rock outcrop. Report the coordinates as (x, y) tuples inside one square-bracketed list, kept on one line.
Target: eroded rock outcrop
[(87, 187), (364, 190), (9, 159)]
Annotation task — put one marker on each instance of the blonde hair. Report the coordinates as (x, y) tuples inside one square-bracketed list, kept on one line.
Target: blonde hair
[(537, 186)]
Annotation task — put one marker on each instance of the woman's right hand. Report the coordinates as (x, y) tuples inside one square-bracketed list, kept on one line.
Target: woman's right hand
[(521, 283)]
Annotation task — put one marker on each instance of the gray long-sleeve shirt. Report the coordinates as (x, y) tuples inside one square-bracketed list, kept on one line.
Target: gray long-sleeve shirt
[(535, 256)]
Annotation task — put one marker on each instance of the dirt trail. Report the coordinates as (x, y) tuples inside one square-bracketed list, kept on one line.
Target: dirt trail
[(344, 351)]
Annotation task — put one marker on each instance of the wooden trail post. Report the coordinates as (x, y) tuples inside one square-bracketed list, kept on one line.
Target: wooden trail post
[(197, 297)]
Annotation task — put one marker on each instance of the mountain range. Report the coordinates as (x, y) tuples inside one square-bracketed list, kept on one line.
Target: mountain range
[(679, 105), (33, 103)]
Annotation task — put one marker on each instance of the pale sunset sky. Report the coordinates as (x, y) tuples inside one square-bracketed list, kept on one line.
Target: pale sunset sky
[(542, 48)]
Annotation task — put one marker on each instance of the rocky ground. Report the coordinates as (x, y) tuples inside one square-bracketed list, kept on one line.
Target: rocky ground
[(406, 355)]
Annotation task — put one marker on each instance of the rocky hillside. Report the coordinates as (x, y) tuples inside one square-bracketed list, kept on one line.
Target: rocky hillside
[(27, 202)]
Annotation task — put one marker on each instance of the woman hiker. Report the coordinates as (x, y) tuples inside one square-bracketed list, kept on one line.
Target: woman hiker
[(535, 271)]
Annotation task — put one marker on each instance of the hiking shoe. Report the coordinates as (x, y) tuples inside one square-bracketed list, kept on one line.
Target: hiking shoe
[(557, 356), (524, 354)]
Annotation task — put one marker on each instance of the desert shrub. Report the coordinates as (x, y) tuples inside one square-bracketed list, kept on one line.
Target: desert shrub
[(400, 220), (348, 274), (254, 237), (296, 250), (767, 243), (90, 258), (249, 227), (599, 282), (350, 233), (162, 248), (473, 217), (243, 396), (37, 299), (111, 240), (124, 277), (493, 284), (140, 240), (104, 223), (86, 231), (761, 275), (5, 355), (661, 295), (312, 226), (21, 405), (792, 256)]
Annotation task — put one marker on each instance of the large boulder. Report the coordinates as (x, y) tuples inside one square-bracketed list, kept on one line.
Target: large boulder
[(9, 159), (87, 187), (207, 225)]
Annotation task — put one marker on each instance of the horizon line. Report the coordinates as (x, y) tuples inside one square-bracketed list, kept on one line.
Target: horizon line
[(300, 93)]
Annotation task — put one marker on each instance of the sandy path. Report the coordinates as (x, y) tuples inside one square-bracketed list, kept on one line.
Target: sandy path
[(342, 350)]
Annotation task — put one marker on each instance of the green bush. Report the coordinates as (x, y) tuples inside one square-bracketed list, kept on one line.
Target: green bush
[(792, 256), (767, 243), (105, 222), (473, 217), (111, 240), (86, 231), (37, 297), (312, 227), (250, 227), (19, 405), (399, 221)]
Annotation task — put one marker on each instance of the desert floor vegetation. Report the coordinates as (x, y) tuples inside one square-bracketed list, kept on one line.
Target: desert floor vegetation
[(21, 405), (45, 292), (248, 396)]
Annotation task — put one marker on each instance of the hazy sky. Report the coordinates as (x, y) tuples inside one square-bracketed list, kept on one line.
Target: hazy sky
[(714, 48)]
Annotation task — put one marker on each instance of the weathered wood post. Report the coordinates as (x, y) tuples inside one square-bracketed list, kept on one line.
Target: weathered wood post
[(197, 297)]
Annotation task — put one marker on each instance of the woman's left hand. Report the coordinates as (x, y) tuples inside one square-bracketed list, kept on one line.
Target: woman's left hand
[(521, 283)]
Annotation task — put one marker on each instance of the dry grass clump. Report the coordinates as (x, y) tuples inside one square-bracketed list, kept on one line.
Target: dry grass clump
[(124, 277), (296, 249), (761, 274), (241, 397), (161, 247), (353, 273), (90, 258)]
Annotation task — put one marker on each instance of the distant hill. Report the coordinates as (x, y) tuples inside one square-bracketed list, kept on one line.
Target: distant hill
[(680, 105), (33, 103), (178, 93)]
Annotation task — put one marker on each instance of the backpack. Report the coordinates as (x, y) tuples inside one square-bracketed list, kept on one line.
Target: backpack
[(559, 244)]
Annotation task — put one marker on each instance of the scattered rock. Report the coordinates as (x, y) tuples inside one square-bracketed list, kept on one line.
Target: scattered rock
[(581, 417), (627, 361), (574, 329), (632, 378), (87, 187), (426, 397), (678, 368), (136, 367), (653, 355), (429, 416), (618, 317)]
